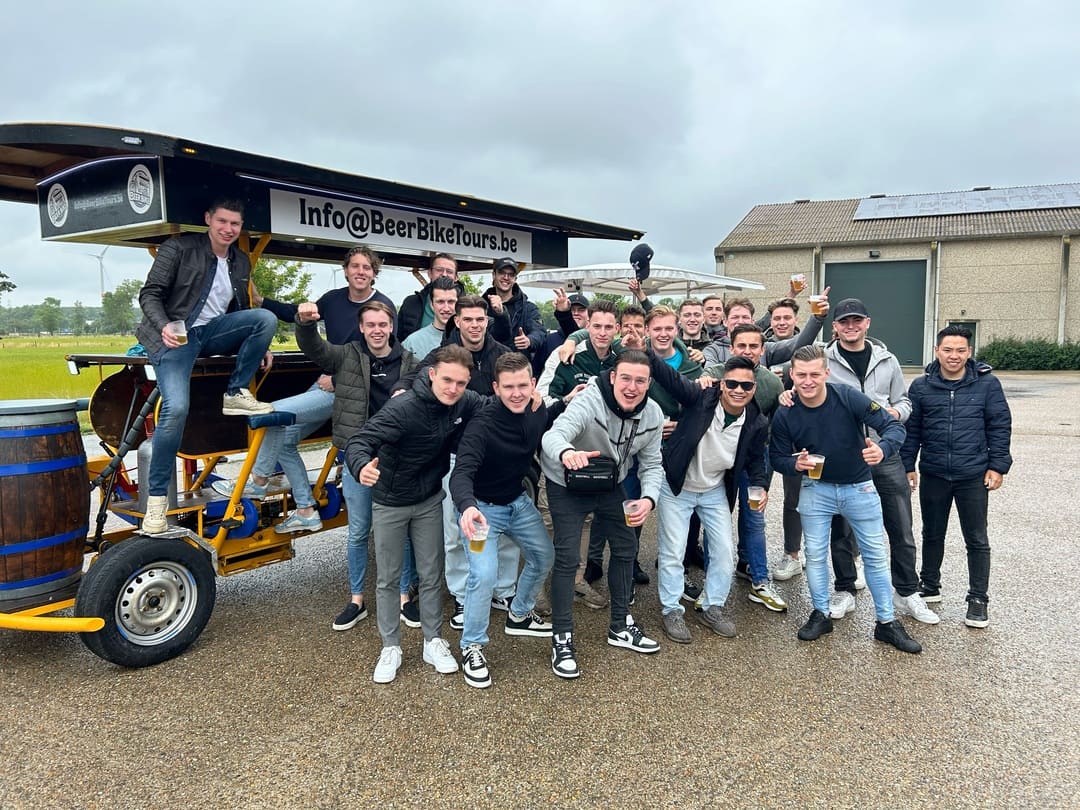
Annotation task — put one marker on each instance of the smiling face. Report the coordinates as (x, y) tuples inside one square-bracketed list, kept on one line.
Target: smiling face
[(580, 315), (376, 327), (632, 329), (737, 314), (809, 377), (224, 229), (601, 331), (503, 280), (714, 312), (783, 322), (735, 400), (953, 353), (691, 319), (515, 389), (472, 323), (448, 382), (749, 345), (442, 304), (630, 382), (851, 332), (662, 335), (443, 267), (359, 275)]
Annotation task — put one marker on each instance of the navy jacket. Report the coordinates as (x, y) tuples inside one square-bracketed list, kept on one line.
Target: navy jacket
[(962, 429)]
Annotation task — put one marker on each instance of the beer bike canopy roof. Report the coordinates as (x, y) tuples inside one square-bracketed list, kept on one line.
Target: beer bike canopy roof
[(111, 186)]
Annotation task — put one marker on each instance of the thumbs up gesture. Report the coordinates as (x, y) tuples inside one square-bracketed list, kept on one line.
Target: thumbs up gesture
[(369, 473), (521, 340), (873, 455)]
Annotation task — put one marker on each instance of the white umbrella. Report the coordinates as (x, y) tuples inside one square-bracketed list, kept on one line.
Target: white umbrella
[(614, 277)]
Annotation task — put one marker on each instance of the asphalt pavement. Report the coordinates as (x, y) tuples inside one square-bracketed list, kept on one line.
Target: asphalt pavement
[(271, 708)]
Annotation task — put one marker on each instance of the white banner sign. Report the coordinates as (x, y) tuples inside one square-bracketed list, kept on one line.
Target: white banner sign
[(331, 220)]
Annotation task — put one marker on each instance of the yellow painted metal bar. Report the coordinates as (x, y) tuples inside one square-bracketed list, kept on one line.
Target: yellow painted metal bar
[(238, 486), (32, 619)]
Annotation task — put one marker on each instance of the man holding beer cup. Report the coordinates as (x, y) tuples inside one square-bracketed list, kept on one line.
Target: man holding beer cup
[(829, 421)]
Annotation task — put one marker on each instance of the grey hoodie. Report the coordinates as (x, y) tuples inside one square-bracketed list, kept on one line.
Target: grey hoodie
[(884, 382)]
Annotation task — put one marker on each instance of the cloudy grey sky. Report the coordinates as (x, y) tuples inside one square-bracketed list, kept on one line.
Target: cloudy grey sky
[(675, 118)]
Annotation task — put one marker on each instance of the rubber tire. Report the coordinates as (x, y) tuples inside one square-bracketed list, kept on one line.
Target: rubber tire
[(115, 572)]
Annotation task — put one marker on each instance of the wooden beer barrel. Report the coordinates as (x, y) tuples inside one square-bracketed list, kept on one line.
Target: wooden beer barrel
[(44, 501)]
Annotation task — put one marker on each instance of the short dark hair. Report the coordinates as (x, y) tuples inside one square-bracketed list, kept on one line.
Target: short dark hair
[(470, 302), (431, 262), (363, 250), (633, 310), (736, 363), (377, 306), (738, 302), (808, 354), (631, 356), (228, 203), (602, 305), (790, 303), (511, 362), (453, 353), (712, 297), (954, 330), (444, 283), (744, 328), (690, 302)]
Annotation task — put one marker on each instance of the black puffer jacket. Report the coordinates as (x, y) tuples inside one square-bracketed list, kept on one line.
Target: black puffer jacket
[(962, 428), (411, 436), (518, 313), (350, 366), (483, 370), (176, 280)]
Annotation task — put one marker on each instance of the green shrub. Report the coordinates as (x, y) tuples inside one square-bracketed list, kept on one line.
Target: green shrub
[(1031, 355)]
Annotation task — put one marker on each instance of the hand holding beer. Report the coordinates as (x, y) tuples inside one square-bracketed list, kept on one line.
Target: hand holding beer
[(810, 463), (475, 528), (636, 512), (174, 334)]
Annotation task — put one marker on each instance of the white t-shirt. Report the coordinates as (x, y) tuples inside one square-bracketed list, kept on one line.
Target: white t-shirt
[(221, 293), (715, 453)]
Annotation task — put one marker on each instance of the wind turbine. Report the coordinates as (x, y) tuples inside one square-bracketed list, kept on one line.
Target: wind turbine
[(101, 267)]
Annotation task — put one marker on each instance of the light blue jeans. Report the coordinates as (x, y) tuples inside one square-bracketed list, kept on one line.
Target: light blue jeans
[(860, 505), (674, 520), (281, 445), (358, 505), (246, 332), (457, 564), (522, 523)]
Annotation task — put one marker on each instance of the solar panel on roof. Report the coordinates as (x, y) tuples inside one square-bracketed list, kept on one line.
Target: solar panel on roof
[(1020, 198)]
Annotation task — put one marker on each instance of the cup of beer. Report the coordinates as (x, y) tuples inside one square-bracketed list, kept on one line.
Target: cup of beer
[(179, 331), (628, 511), (798, 282), (479, 539), (817, 304), (755, 496), (819, 465)]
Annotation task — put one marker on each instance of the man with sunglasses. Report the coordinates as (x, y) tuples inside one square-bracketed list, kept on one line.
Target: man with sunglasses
[(515, 319), (719, 438)]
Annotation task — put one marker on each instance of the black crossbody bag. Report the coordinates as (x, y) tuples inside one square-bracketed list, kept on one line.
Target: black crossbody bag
[(601, 474)]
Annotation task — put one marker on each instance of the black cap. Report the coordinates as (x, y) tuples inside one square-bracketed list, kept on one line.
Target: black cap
[(579, 300), (640, 257), (849, 307), (505, 261)]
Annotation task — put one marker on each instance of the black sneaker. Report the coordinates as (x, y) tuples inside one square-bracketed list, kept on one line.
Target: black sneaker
[(563, 656), (529, 625), (457, 619), (347, 619), (929, 594), (640, 577), (502, 602), (694, 556), (410, 612), (593, 571), (816, 626), (894, 633), (474, 666), (690, 591), (742, 570), (976, 613)]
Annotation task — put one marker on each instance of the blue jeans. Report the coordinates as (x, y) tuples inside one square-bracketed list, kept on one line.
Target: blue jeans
[(751, 534), (674, 518), (861, 507), (358, 504), (522, 523), (281, 445), (247, 332)]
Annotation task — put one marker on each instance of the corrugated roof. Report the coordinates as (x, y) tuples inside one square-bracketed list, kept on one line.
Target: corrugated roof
[(830, 222)]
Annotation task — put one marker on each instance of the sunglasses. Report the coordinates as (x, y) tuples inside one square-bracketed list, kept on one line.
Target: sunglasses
[(745, 385)]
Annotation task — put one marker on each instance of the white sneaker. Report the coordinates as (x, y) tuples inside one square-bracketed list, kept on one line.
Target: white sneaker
[(242, 403), (915, 607), (787, 568), (154, 521), (475, 667), (841, 604), (389, 661), (860, 574), (437, 653)]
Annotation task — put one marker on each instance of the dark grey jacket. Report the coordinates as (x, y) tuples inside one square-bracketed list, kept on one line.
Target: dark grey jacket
[(176, 282)]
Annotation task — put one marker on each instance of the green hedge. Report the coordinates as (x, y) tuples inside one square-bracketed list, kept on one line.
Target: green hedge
[(1031, 355)]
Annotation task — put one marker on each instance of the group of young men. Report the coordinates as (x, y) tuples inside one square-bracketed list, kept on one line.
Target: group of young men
[(646, 409)]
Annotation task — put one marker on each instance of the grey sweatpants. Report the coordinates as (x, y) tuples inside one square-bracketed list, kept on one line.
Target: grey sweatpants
[(423, 522)]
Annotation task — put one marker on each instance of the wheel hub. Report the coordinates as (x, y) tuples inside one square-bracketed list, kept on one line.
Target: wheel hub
[(156, 603)]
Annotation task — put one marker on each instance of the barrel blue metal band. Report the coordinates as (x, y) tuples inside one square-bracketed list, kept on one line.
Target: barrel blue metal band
[(29, 583), (43, 430), (43, 466), (44, 542)]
